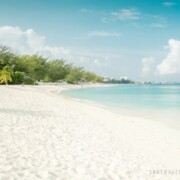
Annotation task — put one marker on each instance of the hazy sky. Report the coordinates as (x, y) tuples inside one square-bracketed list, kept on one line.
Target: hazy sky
[(139, 39)]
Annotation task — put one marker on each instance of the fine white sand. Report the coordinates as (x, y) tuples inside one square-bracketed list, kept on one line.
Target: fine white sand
[(46, 136)]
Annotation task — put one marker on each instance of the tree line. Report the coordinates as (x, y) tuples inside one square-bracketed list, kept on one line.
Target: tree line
[(30, 69)]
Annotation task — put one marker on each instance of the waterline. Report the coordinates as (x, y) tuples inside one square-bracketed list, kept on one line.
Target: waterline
[(156, 102)]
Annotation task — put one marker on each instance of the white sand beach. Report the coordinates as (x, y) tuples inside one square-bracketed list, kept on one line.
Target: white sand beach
[(45, 136)]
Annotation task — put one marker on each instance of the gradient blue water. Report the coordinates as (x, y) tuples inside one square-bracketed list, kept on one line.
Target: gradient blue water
[(155, 102), (164, 97)]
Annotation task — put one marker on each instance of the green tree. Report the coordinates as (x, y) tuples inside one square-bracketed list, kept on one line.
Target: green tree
[(76, 75), (56, 70), (90, 77), (34, 67), (5, 75), (18, 77), (6, 57), (31, 68)]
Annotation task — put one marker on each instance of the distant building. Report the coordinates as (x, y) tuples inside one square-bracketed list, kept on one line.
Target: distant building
[(123, 78), (107, 79)]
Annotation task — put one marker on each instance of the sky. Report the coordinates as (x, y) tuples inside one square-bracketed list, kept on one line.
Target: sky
[(139, 39)]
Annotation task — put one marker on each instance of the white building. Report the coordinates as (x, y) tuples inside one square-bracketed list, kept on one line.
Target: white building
[(123, 78)]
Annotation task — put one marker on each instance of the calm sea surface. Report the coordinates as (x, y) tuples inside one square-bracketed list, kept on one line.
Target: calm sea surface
[(152, 101)]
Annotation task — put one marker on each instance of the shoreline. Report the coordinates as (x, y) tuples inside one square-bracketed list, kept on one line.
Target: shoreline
[(46, 136), (160, 116)]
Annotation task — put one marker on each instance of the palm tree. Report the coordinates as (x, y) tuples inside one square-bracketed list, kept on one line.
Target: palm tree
[(5, 75)]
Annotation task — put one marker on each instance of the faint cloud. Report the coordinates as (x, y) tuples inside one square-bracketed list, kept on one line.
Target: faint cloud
[(135, 18), (126, 14), (159, 25), (103, 34), (168, 4), (106, 58), (103, 61), (122, 15), (83, 59), (100, 34), (147, 63), (104, 20), (135, 24), (97, 62), (29, 42), (159, 22), (84, 10), (171, 64)]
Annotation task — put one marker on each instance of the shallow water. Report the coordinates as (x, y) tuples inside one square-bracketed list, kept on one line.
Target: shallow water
[(157, 102)]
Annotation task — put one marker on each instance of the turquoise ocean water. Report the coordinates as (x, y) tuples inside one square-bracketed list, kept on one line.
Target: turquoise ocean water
[(160, 102)]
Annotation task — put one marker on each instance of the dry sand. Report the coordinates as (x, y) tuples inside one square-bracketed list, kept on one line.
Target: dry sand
[(46, 136)]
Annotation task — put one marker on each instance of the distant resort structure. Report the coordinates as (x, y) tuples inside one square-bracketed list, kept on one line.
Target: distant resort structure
[(121, 80), (126, 80)]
